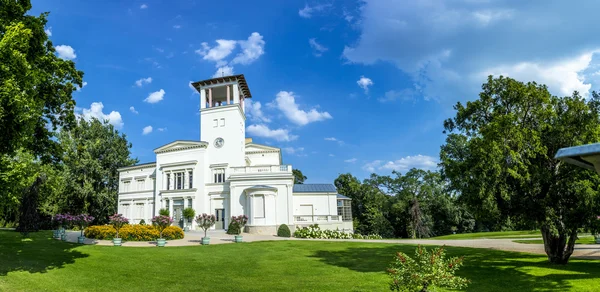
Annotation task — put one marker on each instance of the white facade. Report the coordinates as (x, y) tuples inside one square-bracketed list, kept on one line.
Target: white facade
[(225, 174)]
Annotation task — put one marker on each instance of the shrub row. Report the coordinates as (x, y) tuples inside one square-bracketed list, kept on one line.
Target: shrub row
[(315, 232), (132, 232)]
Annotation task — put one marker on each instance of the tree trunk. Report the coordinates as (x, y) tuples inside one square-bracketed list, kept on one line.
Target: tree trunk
[(424, 287), (559, 248)]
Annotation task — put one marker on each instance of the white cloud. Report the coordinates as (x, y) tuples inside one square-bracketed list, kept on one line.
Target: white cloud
[(334, 139), (143, 6), (65, 52), (147, 130), (286, 103), (351, 160), (263, 131), (132, 109), (96, 111), (252, 49), (292, 150), (177, 26), (308, 11), (318, 49), (223, 71), (331, 155), (254, 111), (161, 129), (403, 164), (364, 83), (143, 81), (160, 50), (155, 97), (218, 52), (48, 31), (446, 47), (404, 94), (83, 84)]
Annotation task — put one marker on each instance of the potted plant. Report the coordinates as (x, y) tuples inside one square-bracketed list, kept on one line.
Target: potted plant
[(206, 221), (117, 221), (239, 222), (161, 222), (83, 221), (57, 222), (188, 214)]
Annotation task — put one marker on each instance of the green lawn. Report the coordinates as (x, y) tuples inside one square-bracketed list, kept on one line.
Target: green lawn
[(43, 264), (581, 240), (497, 234)]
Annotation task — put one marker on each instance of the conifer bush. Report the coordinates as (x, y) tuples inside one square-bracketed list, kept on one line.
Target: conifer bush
[(284, 231)]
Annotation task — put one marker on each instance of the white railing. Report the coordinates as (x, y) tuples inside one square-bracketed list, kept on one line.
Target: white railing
[(262, 169), (317, 218)]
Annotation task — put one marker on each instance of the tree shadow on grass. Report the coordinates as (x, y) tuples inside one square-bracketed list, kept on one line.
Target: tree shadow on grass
[(488, 270), (36, 253)]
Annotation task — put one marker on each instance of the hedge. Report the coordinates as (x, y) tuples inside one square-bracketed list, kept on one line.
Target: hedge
[(132, 232), (284, 231)]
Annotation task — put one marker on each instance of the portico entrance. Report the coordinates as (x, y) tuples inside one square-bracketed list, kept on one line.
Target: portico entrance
[(178, 213), (220, 214)]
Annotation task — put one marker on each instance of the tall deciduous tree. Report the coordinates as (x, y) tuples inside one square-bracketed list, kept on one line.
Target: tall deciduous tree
[(94, 151), (499, 157), (299, 178)]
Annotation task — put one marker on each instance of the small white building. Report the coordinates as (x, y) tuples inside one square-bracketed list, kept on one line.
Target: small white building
[(225, 174)]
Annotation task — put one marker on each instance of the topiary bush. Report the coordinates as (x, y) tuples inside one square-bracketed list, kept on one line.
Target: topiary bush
[(284, 231), (133, 232), (233, 229), (163, 212)]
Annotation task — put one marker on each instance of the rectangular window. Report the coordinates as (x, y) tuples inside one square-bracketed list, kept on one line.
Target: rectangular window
[(219, 175), (191, 179), (215, 123), (190, 203), (140, 185), (222, 123), (179, 181), (139, 211), (345, 209), (168, 181), (259, 206), (126, 186)]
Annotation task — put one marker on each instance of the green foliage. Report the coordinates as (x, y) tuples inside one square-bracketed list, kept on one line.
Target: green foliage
[(163, 212), (133, 232), (142, 222), (29, 217), (299, 178), (499, 156), (283, 231), (188, 213), (233, 229), (428, 270)]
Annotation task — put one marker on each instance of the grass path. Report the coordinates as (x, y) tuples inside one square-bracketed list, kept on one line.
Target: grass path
[(492, 235), (44, 264), (581, 240)]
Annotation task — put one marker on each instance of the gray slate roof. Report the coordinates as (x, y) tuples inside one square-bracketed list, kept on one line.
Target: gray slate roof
[(343, 197), (314, 188)]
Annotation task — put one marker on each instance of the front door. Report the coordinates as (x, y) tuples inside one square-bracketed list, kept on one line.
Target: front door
[(220, 213), (178, 216)]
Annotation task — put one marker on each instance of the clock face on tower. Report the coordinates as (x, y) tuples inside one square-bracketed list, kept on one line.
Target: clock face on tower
[(219, 142)]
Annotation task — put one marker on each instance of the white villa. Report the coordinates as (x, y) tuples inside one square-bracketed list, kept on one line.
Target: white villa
[(226, 174)]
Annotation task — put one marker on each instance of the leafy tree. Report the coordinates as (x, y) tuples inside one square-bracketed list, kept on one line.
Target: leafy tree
[(29, 217), (499, 157), (299, 178), (94, 151), (35, 85)]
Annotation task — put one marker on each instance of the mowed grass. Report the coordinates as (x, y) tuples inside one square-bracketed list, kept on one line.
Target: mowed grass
[(44, 264), (492, 235), (580, 240)]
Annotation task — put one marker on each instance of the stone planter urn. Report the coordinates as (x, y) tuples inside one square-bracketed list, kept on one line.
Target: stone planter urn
[(205, 240), (597, 239), (161, 242), (80, 239), (56, 234), (116, 241), (238, 238), (63, 236)]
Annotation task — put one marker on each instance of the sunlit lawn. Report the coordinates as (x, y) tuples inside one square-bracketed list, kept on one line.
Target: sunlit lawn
[(581, 240), (44, 264), (490, 235)]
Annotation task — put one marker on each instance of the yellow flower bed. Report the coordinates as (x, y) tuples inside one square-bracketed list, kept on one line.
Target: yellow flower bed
[(132, 232)]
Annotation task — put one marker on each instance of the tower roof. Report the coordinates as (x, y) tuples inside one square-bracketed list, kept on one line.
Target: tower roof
[(239, 78)]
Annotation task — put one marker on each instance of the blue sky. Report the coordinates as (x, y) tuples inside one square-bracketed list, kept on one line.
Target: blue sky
[(340, 86)]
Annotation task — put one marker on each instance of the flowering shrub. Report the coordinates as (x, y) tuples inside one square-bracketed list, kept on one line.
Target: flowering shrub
[(161, 222), (427, 270), (237, 224), (206, 221), (315, 232), (83, 221), (133, 232), (117, 221), (64, 220)]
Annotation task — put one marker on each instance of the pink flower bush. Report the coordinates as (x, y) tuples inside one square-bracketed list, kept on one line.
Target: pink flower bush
[(161, 222), (117, 221), (83, 221), (240, 221), (206, 221)]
